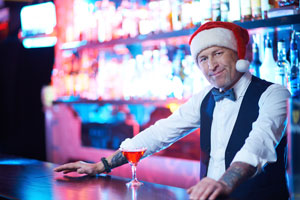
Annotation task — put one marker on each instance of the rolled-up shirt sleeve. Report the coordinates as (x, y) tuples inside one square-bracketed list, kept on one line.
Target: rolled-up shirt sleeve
[(167, 131), (267, 130)]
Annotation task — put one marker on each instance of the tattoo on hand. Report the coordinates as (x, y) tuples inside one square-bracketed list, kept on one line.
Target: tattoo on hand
[(118, 160), (237, 173)]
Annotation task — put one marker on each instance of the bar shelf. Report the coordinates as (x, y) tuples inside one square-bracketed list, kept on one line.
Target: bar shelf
[(159, 103), (271, 22), (263, 23)]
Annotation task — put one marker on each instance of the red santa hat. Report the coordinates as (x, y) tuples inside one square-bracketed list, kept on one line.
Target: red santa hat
[(224, 34)]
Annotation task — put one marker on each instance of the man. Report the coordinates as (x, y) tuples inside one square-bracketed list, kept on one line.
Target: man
[(241, 119)]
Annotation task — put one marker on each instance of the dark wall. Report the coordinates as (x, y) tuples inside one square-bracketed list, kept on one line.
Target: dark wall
[(23, 73)]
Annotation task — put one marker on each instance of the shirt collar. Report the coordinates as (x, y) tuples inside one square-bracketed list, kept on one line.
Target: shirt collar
[(241, 86)]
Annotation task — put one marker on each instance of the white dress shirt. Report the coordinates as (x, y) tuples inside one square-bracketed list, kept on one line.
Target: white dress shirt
[(259, 147)]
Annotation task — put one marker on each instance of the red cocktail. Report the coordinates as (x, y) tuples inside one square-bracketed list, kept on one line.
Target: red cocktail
[(133, 156)]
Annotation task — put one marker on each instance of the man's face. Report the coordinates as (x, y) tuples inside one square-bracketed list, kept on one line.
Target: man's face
[(218, 66)]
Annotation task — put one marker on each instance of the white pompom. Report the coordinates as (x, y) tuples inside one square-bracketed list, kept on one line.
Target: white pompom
[(242, 65)]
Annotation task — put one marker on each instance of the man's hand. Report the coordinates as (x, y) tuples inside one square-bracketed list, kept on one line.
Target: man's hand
[(114, 160), (208, 188), (81, 168)]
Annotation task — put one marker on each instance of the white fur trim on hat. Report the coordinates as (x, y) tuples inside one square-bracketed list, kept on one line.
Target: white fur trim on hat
[(242, 65), (213, 37)]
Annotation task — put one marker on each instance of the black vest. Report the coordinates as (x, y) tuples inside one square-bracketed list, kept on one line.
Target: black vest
[(270, 183)]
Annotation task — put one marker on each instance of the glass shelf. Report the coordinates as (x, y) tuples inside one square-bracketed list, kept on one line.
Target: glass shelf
[(162, 103), (264, 23), (271, 22), (128, 41)]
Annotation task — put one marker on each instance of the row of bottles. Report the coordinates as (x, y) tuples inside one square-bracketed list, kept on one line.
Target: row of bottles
[(258, 9), (282, 71), (156, 74), (105, 20), (162, 71), (245, 10)]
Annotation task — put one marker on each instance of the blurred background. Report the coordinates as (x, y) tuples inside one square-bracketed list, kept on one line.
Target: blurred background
[(23, 73)]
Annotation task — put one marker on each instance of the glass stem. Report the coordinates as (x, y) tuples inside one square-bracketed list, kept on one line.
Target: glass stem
[(133, 168)]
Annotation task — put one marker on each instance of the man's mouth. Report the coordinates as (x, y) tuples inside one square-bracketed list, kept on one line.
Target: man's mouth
[(215, 74)]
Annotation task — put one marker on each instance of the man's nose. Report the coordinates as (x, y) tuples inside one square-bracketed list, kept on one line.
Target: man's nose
[(212, 64)]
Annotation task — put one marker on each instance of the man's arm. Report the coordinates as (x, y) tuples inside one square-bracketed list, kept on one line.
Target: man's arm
[(114, 160), (186, 118), (208, 188), (237, 173)]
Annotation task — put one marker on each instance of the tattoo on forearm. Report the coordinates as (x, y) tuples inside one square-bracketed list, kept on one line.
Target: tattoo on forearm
[(237, 173), (118, 160)]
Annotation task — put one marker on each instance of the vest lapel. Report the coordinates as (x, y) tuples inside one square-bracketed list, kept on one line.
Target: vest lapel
[(206, 112)]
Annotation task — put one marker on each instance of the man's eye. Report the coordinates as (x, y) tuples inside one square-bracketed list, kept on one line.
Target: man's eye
[(202, 60), (219, 53)]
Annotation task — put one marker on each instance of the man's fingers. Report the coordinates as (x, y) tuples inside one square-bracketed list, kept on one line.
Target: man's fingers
[(80, 167), (62, 167), (212, 192), (215, 194), (68, 171), (68, 166), (196, 194), (80, 171), (58, 169), (207, 192), (197, 191), (189, 190), (206, 189)]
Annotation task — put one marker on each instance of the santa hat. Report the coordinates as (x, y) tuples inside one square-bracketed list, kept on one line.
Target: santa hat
[(224, 34)]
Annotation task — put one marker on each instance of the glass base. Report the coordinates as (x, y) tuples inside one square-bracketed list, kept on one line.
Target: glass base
[(134, 183)]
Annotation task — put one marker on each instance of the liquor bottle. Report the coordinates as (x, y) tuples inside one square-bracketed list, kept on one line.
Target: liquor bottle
[(267, 69), (234, 10), (176, 16), (206, 11), (216, 10), (293, 72), (224, 10), (186, 14), (245, 10), (256, 9), (282, 64), (256, 63), (266, 5), (196, 15)]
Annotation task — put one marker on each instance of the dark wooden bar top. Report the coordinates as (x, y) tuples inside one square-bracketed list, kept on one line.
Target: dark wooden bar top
[(29, 179)]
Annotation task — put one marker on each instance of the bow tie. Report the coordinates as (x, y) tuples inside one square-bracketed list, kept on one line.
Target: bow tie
[(221, 95)]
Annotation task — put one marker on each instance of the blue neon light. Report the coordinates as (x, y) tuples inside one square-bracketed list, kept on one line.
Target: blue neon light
[(39, 42), (17, 161)]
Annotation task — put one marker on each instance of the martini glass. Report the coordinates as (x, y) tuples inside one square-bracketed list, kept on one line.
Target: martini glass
[(133, 156)]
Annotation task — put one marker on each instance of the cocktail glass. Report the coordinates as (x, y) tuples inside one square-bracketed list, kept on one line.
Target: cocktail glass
[(133, 156)]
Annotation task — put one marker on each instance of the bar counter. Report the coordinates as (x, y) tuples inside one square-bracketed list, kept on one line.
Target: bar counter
[(28, 179)]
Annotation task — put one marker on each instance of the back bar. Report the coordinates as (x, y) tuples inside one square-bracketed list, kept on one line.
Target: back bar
[(294, 149)]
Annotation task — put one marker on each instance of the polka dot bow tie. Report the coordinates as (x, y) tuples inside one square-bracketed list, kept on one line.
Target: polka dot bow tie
[(221, 95)]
